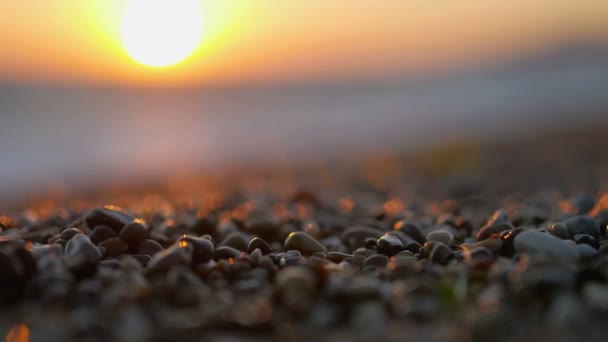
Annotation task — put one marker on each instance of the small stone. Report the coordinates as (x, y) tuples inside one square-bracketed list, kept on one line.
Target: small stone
[(178, 254), (149, 247), (296, 287), (337, 257), (203, 248), (375, 261), (257, 243), (236, 240), (264, 224), (134, 232), (69, 233), (583, 225), (412, 230), (559, 230), (389, 245), (114, 246), (586, 239), (304, 243), (495, 229), (545, 246), (80, 247), (110, 216), (586, 252), (442, 236), (441, 254), (226, 252), (102, 233), (141, 258), (47, 251), (82, 256), (354, 237)]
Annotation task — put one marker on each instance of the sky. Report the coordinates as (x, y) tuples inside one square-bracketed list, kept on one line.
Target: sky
[(79, 41)]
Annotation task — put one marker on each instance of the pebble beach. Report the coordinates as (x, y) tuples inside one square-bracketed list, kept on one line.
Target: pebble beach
[(506, 242)]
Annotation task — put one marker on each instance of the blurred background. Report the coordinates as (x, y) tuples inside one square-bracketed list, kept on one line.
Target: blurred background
[(285, 82)]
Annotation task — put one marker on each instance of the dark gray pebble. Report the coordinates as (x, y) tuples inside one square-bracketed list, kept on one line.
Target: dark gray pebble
[(304, 243), (173, 256), (102, 233), (69, 233), (389, 245), (583, 225), (134, 232), (114, 246), (149, 247), (203, 248), (257, 243), (108, 216)]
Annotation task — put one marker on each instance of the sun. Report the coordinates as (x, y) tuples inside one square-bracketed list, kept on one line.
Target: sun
[(161, 33)]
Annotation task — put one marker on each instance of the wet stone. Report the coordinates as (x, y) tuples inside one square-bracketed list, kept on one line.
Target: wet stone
[(304, 243)]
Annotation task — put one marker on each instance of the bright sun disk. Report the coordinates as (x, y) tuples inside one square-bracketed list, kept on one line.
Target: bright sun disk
[(160, 33)]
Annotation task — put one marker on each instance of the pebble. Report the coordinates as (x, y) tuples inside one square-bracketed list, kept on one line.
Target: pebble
[(133, 233), (109, 216), (149, 247), (389, 245), (376, 260), (69, 233), (236, 240), (114, 247), (545, 246), (304, 243), (494, 229), (176, 255), (442, 236), (559, 230), (102, 233), (355, 236), (582, 225), (257, 243), (362, 267), (203, 249)]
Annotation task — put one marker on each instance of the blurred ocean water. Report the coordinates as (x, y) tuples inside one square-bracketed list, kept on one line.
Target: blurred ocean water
[(69, 134)]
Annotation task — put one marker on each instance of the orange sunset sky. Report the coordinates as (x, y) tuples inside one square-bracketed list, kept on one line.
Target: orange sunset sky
[(78, 41)]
